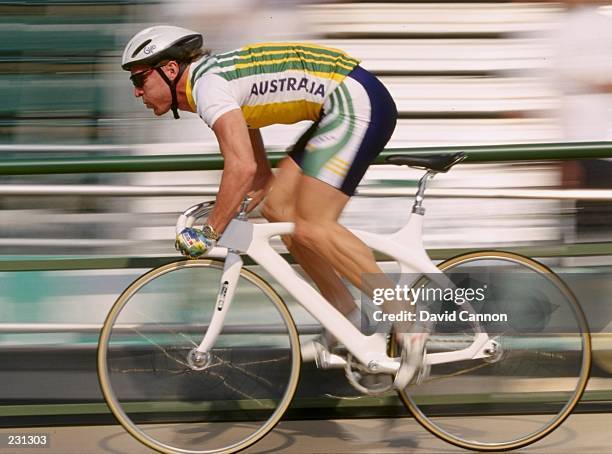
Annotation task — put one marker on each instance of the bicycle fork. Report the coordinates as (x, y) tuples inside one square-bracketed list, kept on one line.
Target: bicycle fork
[(199, 358)]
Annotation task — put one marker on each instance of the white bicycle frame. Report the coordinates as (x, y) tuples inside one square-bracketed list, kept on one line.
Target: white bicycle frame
[(404, 246)]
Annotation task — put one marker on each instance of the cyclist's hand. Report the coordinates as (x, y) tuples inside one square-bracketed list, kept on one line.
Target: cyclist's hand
[(193, 243)]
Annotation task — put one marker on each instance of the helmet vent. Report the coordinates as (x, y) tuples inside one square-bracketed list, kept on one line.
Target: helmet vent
[(139, 48)]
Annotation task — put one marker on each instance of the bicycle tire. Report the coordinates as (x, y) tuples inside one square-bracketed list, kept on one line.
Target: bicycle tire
[(189, 400), (443, 427)]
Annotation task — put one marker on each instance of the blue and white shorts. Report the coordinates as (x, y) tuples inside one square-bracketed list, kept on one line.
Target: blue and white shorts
[(356, 123)]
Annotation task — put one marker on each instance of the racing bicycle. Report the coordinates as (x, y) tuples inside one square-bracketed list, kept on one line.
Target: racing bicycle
[(203, 356)]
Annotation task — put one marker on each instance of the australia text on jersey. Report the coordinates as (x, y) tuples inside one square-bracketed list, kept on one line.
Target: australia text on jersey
[(288, 84)]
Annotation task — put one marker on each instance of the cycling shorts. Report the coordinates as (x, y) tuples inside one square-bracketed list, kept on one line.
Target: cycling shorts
[(356, 123)]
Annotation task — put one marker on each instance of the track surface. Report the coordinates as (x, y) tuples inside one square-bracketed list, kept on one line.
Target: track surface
[(587, 433)]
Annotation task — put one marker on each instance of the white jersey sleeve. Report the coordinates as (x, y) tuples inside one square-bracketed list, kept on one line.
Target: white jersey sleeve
[(213, 96)]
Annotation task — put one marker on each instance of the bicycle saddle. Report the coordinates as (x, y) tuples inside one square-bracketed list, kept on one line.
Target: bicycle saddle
[(436, 162)]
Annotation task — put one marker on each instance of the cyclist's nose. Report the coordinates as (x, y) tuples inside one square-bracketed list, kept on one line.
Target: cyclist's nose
[(138, 92)]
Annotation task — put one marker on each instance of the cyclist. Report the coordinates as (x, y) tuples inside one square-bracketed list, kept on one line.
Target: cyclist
[(238, 92)]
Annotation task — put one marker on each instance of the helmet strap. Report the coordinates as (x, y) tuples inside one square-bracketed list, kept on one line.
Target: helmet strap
[(172, 84)]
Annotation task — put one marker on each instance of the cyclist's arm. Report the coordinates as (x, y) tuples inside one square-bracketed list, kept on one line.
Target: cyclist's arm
[(239, 167), (264, 173)]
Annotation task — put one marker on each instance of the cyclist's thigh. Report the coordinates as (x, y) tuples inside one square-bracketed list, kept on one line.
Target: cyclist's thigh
[(318, 202), (357, 121)]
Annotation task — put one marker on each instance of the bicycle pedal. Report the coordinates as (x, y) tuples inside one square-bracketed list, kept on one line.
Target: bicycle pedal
[(412, 368), (422, 374), (403, 375), (322, 357)]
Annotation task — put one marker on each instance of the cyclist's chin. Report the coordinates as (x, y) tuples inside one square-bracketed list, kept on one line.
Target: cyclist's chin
[(159, 111)]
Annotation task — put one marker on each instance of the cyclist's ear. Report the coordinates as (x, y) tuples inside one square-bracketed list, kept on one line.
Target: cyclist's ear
[(171, 69)]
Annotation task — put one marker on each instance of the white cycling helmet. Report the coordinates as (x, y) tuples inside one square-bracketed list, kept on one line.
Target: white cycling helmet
[(159, 43)]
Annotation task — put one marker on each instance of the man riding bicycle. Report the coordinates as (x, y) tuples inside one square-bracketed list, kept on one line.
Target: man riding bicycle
[(238, 92)]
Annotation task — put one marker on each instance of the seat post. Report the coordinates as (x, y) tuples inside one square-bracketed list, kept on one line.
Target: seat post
[(418, 207)]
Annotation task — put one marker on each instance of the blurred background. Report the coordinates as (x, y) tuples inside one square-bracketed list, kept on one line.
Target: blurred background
[(462, 73)]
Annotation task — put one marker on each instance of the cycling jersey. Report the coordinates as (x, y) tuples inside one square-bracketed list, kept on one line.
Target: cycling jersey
[(271, 82), (353, 113)]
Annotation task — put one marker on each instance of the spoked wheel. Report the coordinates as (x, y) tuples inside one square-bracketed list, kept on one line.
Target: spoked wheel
[(176, 402), (535, 372)]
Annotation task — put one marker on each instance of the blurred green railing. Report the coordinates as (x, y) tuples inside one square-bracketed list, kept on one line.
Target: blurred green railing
[(166, 163), (157, 163)]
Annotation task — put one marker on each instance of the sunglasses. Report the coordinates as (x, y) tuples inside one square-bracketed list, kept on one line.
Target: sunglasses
[(139, 78)]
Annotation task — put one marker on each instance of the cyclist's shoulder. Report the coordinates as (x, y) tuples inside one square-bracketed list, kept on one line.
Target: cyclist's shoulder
[(208, 64), (207, 81), (209, 91)]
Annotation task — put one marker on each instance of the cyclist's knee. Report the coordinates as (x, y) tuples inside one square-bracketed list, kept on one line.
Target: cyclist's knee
[(275, 211), (309, 233)]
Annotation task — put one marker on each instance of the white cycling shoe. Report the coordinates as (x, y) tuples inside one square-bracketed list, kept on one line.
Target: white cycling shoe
[(411, 360)]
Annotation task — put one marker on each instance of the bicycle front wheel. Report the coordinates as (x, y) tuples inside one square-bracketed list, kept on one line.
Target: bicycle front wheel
[(540, 363), (171, 404)]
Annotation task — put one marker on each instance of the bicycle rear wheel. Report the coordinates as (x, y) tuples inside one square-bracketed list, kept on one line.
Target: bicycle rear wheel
[(168, 404), (540, 369)]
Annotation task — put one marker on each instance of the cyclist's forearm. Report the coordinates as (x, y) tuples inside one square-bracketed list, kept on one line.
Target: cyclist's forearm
[(236, 181), (238, 170), (264, 172)]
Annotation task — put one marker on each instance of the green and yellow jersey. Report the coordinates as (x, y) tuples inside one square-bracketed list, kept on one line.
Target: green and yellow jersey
[(271, 83)]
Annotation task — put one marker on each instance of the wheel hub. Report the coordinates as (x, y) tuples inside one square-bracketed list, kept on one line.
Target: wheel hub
[(198, 360), (494, 352)]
